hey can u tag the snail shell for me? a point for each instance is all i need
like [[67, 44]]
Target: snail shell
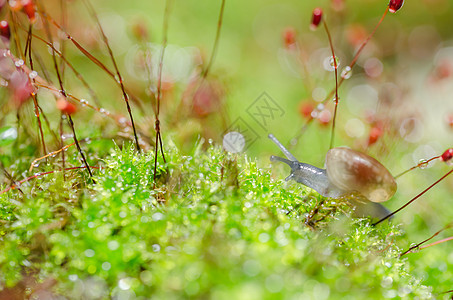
[[351, 170]]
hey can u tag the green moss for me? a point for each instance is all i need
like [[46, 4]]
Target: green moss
[[220, 228]]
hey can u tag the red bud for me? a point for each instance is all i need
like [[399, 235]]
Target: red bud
[[289, 37], [324, 117], [447, 155], [15, 5], [29, 9], [66, 107], [305, 109], [395, 5], [375, 134], [5, 32], [316, 18], [20, 86], [450, 121]]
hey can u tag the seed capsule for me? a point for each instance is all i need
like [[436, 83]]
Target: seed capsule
[[395, 5], [5, 32], [447, 155], [316, 18], [66, 107]]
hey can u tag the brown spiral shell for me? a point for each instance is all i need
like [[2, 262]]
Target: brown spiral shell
[[354, 171]]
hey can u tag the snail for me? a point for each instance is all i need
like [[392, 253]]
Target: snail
[[347, 172]]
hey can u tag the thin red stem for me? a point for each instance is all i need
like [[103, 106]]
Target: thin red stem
[[351, 65], [42, 174], [90, 56], [437, 242], [216, 41], [33, 94], [415, 198], [158, 139], [120, 79], [431, 237], [63, 93], [418, 165], [336, 83]]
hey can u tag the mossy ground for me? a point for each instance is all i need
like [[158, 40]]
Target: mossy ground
[[217, 227]]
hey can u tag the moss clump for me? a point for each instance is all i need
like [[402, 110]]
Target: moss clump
[[219, 228]]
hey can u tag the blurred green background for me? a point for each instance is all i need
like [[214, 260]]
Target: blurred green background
[[403, 80]]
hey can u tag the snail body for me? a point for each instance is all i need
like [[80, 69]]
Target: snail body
[[347, 172]]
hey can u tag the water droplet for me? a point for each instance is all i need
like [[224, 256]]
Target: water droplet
[[66, 136], [19, 63], [89, 253], [320, 106], [113, 245], [33, 74], [314, 114], [332, 61], [102, 110], [319, 94], [73, 277], [346, 73], [106, 266], [233, 142], [423, 164], [157, 216], [387, 282], [83, 102], [124, 284]]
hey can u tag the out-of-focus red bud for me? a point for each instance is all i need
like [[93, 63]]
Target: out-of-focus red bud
[[447, 155], [140, 30], [15, 5], [5, 32], [338, 4], [324, 117], [305, 109], [206, 99], [66, 107], [356, 34], [316, 18], [375, 134], [443, 69], [20, 86], [395, 5], [450, 120], [2, 3], [289, 37], [29, 9]]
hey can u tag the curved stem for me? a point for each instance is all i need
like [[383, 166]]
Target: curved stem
[[336, 84], [120, 78], [413, 199], [158, 140], [216, 41], [418, 245], [417, 166], [351, 65]]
